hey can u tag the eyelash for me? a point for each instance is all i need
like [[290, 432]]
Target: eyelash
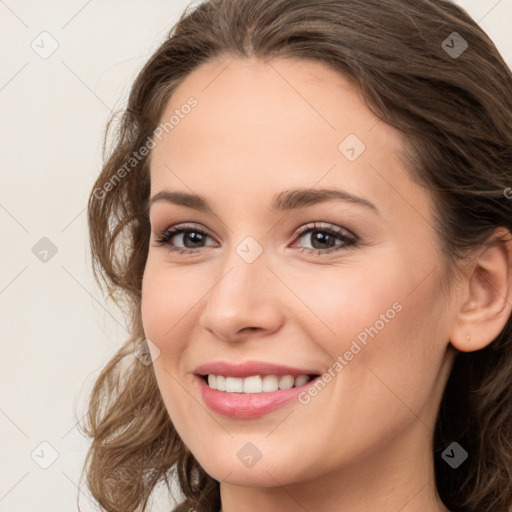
[[164, 237]]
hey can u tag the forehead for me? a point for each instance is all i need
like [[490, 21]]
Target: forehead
[[299, 101], [282, 124]]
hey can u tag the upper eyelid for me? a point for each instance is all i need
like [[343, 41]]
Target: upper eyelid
[[303, 229], [319, 226], [347, 238]]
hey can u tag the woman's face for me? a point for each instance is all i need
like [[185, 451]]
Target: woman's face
[[356, 298]]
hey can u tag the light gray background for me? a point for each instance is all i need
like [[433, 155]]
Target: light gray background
[[56, 330]]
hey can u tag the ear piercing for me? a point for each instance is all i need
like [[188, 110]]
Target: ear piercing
[[468, 338]]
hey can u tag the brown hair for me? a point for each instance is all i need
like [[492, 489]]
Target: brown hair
[[456, 114]]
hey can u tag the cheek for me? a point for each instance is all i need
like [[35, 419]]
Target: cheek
[[386, 337], [351, 305], [381, 319], [167, 298], [155, 306]]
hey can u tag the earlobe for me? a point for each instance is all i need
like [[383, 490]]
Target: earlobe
[[487, 305]]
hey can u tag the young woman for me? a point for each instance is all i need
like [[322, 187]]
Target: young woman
[[307, 213]]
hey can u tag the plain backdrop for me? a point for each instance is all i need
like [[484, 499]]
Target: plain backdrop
[[56, 330]]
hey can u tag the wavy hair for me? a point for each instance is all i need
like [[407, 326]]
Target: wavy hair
[[456, 114]]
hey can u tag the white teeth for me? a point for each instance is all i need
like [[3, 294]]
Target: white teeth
[[234, 385], [270, 383], [286, 382], [299, 381], [220, 383], [255, 383]]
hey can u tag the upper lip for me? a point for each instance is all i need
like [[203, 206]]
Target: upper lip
[[249, 368]]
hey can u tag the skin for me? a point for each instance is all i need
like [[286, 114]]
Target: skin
[[364, 442]]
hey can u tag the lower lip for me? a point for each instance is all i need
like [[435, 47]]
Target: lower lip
[[247, 405]]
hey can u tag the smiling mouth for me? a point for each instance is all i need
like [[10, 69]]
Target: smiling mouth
[[256, 383]]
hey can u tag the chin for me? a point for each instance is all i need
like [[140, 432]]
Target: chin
[[270, 473]]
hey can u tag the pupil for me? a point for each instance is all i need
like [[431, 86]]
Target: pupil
[[321, 237], [193, 236]]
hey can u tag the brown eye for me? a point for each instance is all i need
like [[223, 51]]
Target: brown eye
[[189, 239], [323, 239]]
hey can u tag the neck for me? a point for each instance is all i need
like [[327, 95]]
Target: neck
[[399, 476]]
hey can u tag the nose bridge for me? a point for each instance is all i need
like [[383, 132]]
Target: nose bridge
[[242, 295], [241, 276]]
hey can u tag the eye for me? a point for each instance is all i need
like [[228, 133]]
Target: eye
[[323, 238], [190, 235]]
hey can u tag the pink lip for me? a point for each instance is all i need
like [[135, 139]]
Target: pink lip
[[246, 405], [251, 368]]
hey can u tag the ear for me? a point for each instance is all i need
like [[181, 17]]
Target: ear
[[487, 301]]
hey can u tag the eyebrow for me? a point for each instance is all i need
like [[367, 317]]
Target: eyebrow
[[284, 201]]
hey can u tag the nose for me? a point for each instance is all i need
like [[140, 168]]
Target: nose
[[244, 301]]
